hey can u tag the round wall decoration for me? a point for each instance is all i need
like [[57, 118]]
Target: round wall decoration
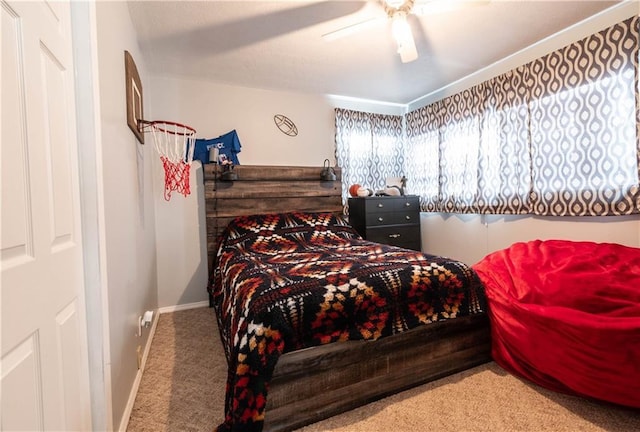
[[285, 124]]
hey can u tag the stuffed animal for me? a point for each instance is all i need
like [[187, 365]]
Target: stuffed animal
[[364, 192]]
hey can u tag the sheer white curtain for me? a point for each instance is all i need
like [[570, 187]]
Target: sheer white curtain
[[584, 126], [423, 148], [470, 151], [369, 148]]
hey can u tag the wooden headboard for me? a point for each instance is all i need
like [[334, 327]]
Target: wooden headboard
[[265, 189]]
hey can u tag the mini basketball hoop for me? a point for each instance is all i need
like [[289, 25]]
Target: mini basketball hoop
[[175, 143]]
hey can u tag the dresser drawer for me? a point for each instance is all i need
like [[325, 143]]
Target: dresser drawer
[[405, 236], [392, 204], [392, 218]]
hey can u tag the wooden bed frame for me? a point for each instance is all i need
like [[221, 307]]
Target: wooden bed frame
[[316, 383]]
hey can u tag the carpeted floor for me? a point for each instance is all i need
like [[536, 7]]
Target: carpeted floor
[[182, 389]]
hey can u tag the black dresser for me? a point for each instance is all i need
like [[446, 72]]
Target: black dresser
[[393, 220]]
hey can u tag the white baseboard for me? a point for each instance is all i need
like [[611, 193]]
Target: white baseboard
[[136, 383], [176, 308]]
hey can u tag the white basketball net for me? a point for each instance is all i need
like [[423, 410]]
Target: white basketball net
[[175, 143]]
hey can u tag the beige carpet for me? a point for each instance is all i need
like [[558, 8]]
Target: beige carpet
[[182, 389]]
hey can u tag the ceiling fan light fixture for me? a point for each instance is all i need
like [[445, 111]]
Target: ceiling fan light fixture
[[404, 38], [400, 28]]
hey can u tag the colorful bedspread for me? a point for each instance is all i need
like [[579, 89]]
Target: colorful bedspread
[[283, 282], [566, 316]]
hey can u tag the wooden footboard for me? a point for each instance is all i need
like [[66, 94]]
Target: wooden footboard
[[316, 383]]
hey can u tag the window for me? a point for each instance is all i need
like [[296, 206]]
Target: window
[[584, 139], [476, 145], [558, 136], [370, 148]]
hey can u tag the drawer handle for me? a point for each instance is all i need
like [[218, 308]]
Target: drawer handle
[[407, 217], [380, 205], [394, 235], [380, 219], [407, 204]]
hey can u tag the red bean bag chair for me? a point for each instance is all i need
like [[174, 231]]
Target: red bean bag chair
[[566, 316]]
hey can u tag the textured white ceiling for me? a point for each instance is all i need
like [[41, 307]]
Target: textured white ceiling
[[277, 44]]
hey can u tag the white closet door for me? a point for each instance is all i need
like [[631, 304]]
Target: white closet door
[[44, 352]]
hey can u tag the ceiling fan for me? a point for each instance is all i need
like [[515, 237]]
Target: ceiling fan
[[398, 11]]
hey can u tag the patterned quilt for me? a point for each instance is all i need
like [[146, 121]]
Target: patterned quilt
[[283, 282]]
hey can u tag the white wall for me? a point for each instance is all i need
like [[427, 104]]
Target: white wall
[[214, 109], [124, 165], [470, 237]]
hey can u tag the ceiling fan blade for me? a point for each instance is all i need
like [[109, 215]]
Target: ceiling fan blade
[[352, 29], [440, 6]]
